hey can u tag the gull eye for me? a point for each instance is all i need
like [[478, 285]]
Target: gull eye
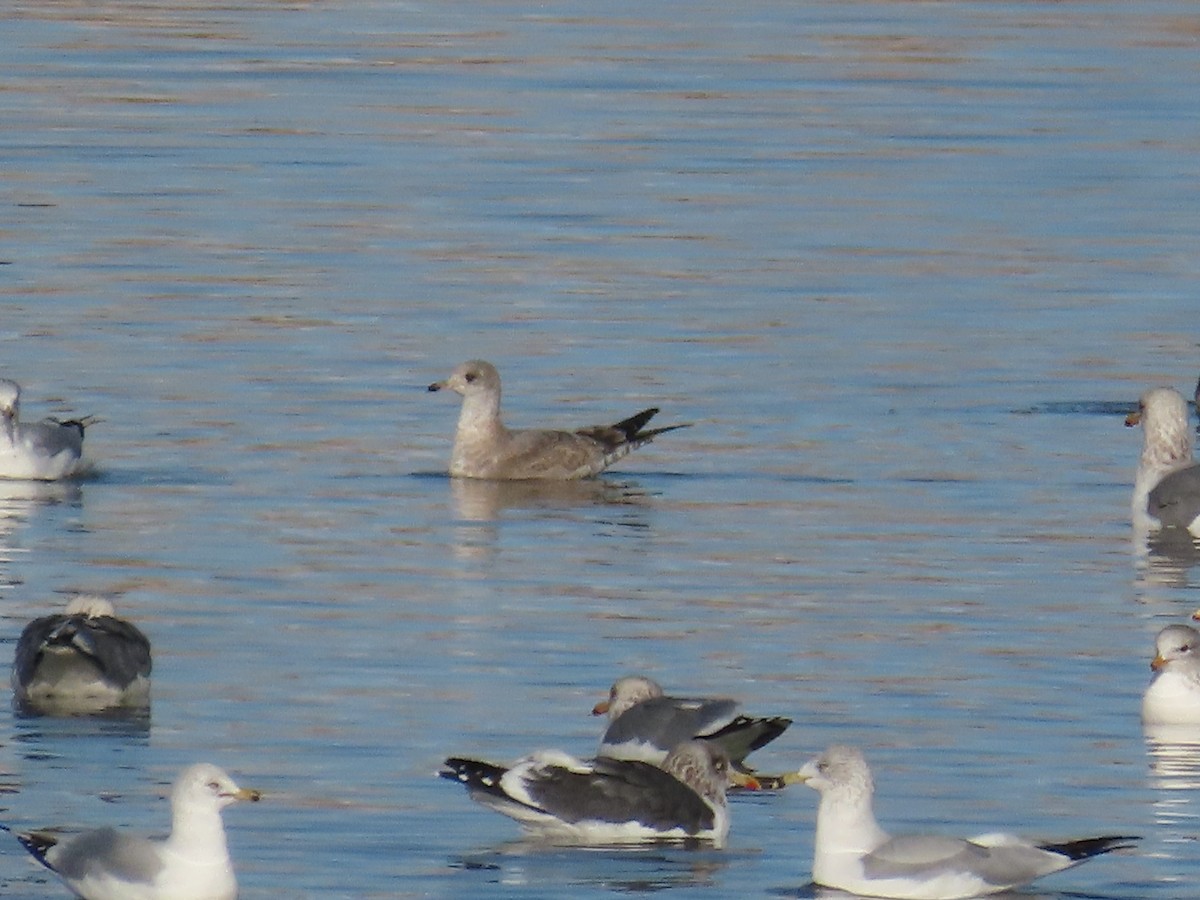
[[470, 377], [214, 786]]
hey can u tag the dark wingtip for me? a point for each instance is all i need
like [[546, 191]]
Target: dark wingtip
[[455, 769], [646, 435], [632, 426], [81, 424], [36, 843], [1086, 848]]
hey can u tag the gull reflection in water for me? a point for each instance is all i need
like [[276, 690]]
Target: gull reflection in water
[[1174, 763], [637, 869], [824, 893], [33, 730], [481, 504], [1166, 557], [19, 499]]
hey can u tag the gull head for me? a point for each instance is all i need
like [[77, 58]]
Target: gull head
[[205, 786], [1175, 643], [840, 771], [10, 399], [90, 605], [702, 766], [626, 692], [475, 376]]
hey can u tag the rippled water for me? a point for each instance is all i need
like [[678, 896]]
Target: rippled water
[[904, 265]]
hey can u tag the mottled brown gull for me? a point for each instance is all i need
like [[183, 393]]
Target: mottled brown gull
[[82, 660], [607, 801], [191, 864], [1166, 489], [853, 854], [485, 448], [39, 451]]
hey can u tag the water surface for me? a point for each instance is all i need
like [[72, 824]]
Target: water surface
[[903, 265]]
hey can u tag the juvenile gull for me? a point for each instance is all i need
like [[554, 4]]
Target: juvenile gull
[[84, 660], [852, 853], [607, 801], [40, 451], [1173, 696], [485, 448], [191, 864], [644, 724], [1166, 489]]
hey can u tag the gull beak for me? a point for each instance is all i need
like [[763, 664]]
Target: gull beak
[[248, 794], [1134, 418], [1196, 615], [437, 385], [1157, 663], [600, 708], [744, 780], [799, 777]]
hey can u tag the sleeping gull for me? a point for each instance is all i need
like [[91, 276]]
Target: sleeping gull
[[644, 724], [852, 853], [485, 448], [84, 660], [607, 801], [1173, 697], [191, 864], [1166, 489], [40, 451]]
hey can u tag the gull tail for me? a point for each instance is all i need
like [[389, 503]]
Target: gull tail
[[1086, 848]]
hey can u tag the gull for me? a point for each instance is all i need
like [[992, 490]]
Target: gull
[[42, 451], [191, 864], [1173, 697], [607, 801], [852, 853], [644, 724], [485, 448], [1166, 489], [80, 661]]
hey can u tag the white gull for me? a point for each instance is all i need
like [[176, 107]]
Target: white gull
[[852, 853], [40, 451], [1173, 696], [191, 864]]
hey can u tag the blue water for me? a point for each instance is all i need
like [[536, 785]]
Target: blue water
[[904, 265]]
